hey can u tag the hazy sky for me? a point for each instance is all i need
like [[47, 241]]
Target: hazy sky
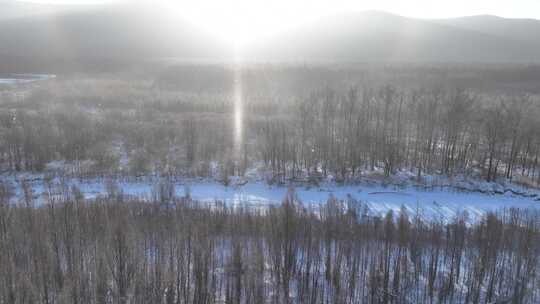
[[413, 8], [242, 20]]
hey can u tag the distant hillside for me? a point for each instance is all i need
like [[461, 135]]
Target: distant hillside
[[105, 36], [524, 30], [102, 35], [384, 37]]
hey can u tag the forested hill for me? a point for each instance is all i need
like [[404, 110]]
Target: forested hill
[[101, 37], [382, 37], [44, 40], [522, 30]]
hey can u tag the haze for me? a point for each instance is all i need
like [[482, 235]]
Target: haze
[[245, 21], [269, 152]]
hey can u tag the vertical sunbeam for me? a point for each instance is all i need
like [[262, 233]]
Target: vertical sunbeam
[[238, 110]]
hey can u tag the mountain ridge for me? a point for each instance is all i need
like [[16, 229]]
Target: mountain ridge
[[411, 39], [119, 33]]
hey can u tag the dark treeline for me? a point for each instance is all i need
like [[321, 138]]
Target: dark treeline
[[117, 251], [297, 127]]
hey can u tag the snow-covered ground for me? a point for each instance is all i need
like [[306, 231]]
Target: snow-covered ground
[[434, 202]]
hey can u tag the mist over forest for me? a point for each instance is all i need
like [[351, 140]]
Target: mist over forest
[[360, 156]]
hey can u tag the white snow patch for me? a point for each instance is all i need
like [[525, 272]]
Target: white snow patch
[[434, 203]]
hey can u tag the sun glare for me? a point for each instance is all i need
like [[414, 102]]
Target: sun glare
[[228, 20], [238, 113], [243, 22]]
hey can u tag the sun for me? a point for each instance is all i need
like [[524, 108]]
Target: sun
[[244, 22], [228, 20]]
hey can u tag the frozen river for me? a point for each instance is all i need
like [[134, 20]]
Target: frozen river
[[12, 79], [437, 203]]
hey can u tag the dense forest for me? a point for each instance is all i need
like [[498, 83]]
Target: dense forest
[[175, 250], [297, 122], [192, 152]]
